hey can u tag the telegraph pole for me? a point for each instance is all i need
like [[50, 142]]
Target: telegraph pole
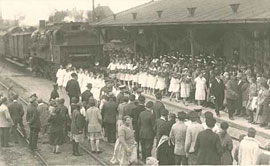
[[93, 11]]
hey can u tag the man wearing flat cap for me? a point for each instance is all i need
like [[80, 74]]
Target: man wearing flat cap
[[86, 95], [208, 145], [73, 87], [120, 96], [160, 122], [158, 106], [192, 132], [33, 119], [54, 93], [178, 135], [146, 122]]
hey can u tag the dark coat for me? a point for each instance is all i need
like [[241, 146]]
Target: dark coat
[[232, 90], [86, 96], [128, 109], [109, 112], [158, 124], [120, 98], [208, 148], [54, 94], [77, 122], [165, 153], [73, 88], [266, 109], [217, 89], [135, 116], [158, 106], [146, 123], [63, 111], [16, 111], [56, 123], [32, 116]]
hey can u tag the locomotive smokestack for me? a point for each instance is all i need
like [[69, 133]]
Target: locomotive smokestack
[[42, 24]]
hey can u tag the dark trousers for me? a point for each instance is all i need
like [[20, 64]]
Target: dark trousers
[[4, 136], [147, 145], [14, 129], [137, 139], [180, 160], [231, 105], [33, 138], [165, 154], [70, 97], [110, 132], [218, 104]]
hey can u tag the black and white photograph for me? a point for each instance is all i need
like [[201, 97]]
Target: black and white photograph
[[134, 82]]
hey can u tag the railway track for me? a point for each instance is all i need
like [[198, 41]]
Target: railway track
[[41, 158]]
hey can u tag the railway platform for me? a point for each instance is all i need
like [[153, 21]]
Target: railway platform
[[42, 87]]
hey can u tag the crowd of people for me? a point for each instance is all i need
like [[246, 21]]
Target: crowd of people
[[144, 131]]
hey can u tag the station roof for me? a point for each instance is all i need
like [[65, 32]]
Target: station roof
[[176, 12]]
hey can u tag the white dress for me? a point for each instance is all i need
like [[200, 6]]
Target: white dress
[[67, 77], [200, 93], [60, 76], [160, 83], [184, 89], [144, 79], [174, 85]]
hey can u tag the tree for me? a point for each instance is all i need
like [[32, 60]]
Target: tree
[[58, 16]]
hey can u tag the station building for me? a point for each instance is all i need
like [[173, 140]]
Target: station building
[[234, 29]]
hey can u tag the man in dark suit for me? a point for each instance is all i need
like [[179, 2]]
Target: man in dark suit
[[217, 92], [87, 94], [160, 122], [73, 87], [158, 106], [208, 145], [121, 95], [146, 122], [16, 112], [135, 116], [33, 119], [109, 113], [130, 106]]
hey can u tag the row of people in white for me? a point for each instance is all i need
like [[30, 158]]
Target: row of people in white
[[152, 79], [84, 77]]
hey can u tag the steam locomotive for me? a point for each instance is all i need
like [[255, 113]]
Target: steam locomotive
[[50, 46]]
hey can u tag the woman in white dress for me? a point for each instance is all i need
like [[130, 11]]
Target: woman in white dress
[[185, 86], [200, 91], [67, 77], [60, 76], [161, 84], [174, 88]]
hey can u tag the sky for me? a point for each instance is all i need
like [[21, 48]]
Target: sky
[[35, 10]]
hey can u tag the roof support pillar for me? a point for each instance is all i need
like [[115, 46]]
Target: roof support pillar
[[154, 41], [191, 40]]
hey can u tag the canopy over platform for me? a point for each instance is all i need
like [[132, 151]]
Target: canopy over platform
[[175, 12]]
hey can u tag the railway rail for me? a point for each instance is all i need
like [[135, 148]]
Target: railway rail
[[37, 153]]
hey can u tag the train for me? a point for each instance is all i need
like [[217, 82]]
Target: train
[[44, 49]]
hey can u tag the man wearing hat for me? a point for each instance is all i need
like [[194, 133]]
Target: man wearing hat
[[135, 116], [33, 119], [217, 91], [208, 146], [160, 122], [146, 122], [192, 132], [109, 114], [16, 112], [158, 106], [130, 106], [178, 135], [207, 115], [120, 96], [87, 94], [54, 93], [249, 149], [73, 87], [5, 122]]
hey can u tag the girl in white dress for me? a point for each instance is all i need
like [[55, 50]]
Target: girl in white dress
[[174, 88], [185, 86], [60, 77], [67, 77], [161, 84], [200, 91]]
